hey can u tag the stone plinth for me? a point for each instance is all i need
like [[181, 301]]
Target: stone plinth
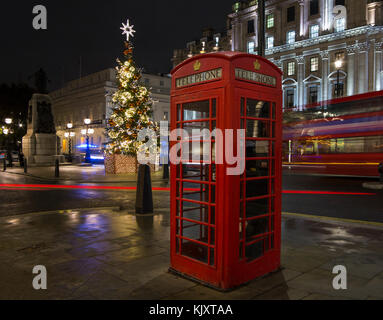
[[40, 142]]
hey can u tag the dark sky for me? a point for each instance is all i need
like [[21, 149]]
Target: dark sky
[[91, 29]]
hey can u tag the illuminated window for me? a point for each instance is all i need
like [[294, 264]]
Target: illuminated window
[[314, 64], [291, 37], [270, 21], [251, 47], [270, 42], [340, 25], [314, 31], [236, 6], [291, 68]]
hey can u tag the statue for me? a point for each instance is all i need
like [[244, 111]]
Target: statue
[[41, 81]]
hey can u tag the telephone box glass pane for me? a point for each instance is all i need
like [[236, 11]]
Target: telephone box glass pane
[[196, 110], [197, 127], [257, 188], [258, 109], [196, 212], [257, 149], [197, 172], [195, 231], [257, 207], [257, 168], [256, 227], [214, 108], [254, 251], [195, 191], [258, 129], [194, 251]]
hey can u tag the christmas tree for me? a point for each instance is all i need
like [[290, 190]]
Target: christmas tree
[[132, 105]]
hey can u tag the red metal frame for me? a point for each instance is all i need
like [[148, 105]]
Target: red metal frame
[[229, 260]]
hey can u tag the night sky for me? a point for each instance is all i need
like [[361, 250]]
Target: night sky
[[91, 29]]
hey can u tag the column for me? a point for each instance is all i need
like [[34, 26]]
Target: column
[[325, 73], [300, 78], [378, 66], [350, 70], [362, 67], [302, 28], [371, 65]]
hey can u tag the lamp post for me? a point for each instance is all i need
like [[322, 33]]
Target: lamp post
[[87, 155], [69, 136], [7, 131], [338, 66]]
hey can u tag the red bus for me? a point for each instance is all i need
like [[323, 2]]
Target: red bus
[[337, 137]]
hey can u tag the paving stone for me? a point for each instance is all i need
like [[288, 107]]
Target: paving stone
[[320, 281], [282, 292]]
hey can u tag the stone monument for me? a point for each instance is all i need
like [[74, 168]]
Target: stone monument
[[40, 142]]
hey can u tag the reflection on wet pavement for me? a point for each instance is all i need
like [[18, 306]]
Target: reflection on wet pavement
[[102, 254]]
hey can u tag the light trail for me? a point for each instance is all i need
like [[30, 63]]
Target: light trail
[[38, 187]]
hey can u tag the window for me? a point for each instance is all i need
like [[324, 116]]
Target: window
[[166, 116], [340, 25], [314, 7], [147, 81], [290, 98], [314, 31], [313, 94], [250, 27], [270, 21], [314, 64], [251, 47], [291, 68], [162, 83], [291, 14], [270, 42], [339, 2], [291, 37]]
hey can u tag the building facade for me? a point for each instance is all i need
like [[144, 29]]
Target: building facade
[[91, 98], [325, 48]]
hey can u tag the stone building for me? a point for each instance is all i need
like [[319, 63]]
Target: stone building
[[90, 98], [326, 48]]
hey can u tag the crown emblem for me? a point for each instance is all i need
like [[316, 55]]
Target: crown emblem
[[257, 65], [197, 66]]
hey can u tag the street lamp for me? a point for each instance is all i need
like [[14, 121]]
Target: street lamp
[[69, 136], [338, 66], [8, 121], [87, 155]]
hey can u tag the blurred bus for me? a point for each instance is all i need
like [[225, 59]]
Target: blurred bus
[[338, 137]]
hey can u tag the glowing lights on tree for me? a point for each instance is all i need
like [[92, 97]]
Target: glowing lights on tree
[[133, 105]]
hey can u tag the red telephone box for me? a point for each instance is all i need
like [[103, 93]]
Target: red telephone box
[[226, 229]]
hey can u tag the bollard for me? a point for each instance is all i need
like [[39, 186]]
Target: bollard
[[144, 197], [57, 168], [380, 169], [166, 172], [4, 164], [25, 165]]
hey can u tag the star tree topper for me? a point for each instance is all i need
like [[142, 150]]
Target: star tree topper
[[128, 30]]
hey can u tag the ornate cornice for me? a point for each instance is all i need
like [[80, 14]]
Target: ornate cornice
[[370, 30]]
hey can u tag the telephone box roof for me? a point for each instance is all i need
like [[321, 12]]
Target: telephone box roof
[[226, 55]]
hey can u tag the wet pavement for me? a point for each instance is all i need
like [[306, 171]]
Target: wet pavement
[[105, 254]]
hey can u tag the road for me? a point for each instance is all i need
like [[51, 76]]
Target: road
[[298, 198]]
